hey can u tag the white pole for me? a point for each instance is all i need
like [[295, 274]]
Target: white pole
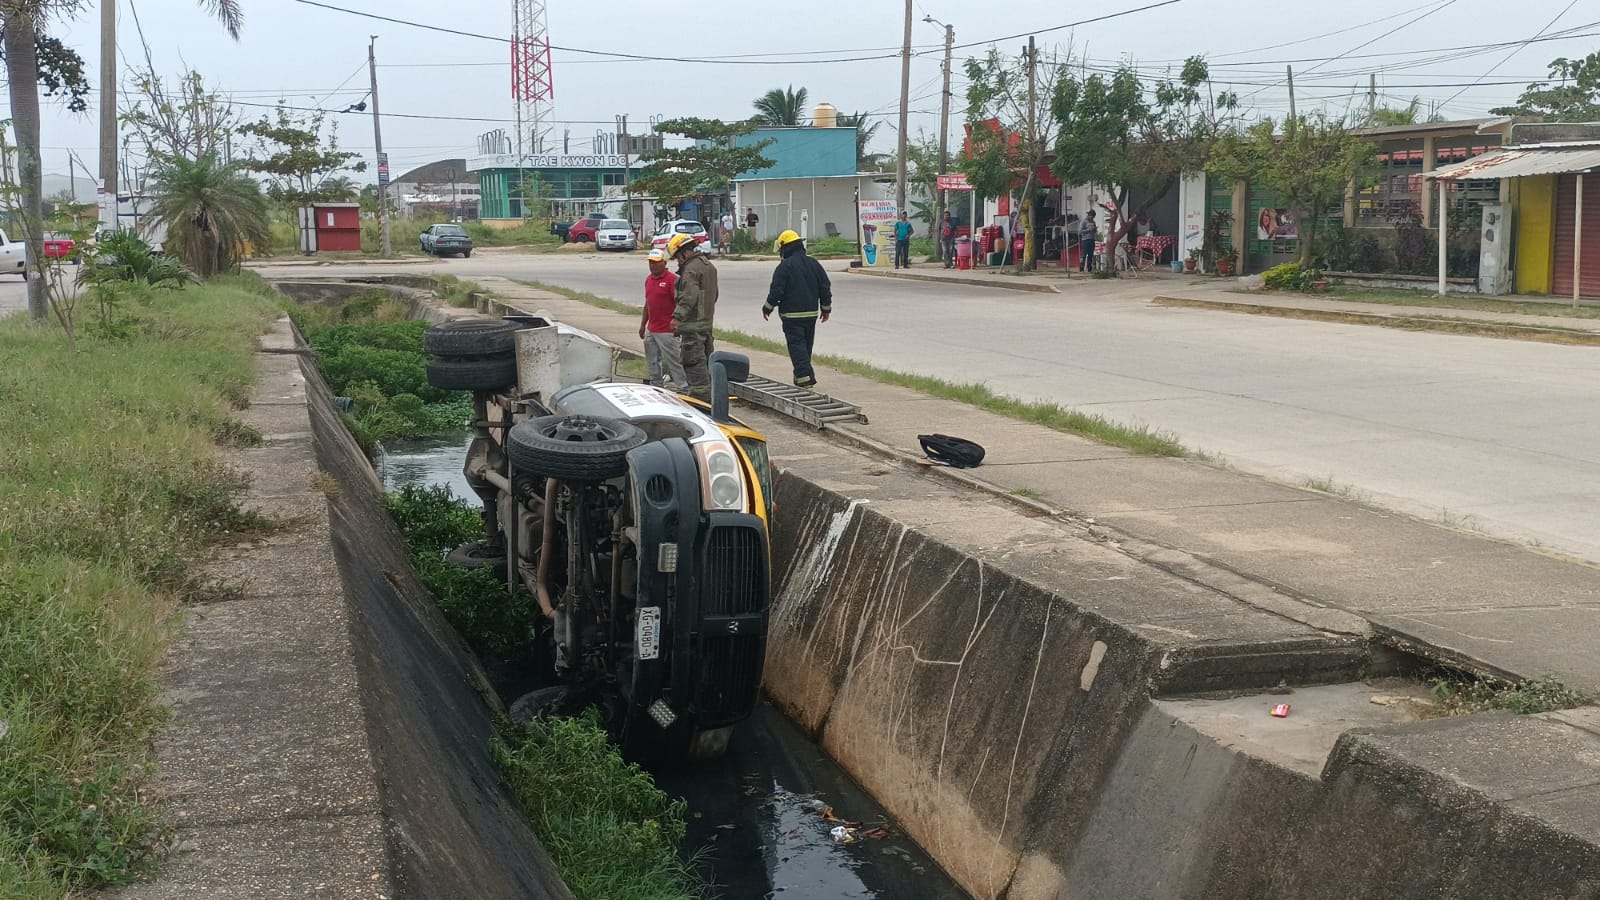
[[1577, 244], [1443, 214]]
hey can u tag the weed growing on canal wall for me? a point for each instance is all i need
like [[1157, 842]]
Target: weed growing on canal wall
[[498, 626], [611, 832], [375, 359], [1460, 695], [112, 494]]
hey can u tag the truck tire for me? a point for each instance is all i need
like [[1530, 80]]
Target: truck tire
[[473, 374], [471, 338], [573, 448], [476, 555]]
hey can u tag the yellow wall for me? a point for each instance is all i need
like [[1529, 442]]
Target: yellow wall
[[1536, 208]]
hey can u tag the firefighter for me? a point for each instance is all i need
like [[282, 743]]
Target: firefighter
[[801, 294], [696, 293]]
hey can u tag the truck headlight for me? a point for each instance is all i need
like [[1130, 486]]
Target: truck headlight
[[721, 480]]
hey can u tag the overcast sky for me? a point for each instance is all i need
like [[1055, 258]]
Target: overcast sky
[[317, 57]]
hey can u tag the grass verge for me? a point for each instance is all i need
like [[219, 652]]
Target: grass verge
[[612, 833], [112, 494], [1143, 441]]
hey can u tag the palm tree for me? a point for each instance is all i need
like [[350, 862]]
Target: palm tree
[[864, 133], [212, 209], [21, 26], [781, 106], [339, 188]]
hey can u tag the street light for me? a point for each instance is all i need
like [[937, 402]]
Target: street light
[[944, 130]]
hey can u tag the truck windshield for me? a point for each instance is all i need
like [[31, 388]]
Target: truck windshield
[[757, 452]]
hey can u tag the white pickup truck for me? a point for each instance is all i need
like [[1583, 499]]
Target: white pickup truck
[[13, 256]]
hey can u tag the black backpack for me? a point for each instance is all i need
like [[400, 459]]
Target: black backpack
[[951, 451]]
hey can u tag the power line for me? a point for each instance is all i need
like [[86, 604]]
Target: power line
[[1518, 49], [1369, 42]]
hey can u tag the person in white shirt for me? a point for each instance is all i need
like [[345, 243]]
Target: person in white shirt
[[728, 225]]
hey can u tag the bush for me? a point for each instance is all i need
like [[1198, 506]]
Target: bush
[[497, 625], [612, 833], [1290, 277]]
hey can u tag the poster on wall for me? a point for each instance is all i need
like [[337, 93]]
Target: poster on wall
[[1277, 224], [877, 232]]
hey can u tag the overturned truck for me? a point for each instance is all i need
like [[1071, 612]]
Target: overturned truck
[[636, 517]]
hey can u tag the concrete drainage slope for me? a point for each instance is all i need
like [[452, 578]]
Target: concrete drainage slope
[[1018, 697]]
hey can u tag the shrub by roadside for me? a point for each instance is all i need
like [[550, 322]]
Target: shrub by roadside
[[112, 491]]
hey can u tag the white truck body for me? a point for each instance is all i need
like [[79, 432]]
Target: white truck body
[[13, 256]]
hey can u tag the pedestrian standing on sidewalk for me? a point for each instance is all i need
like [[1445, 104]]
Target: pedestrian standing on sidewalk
[[801, 294], [902, 242], [727, 232], [696, 296], [947, 241], [1087, 230], [751, 220], [661, 347]]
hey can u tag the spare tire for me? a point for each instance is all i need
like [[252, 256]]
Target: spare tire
[[572, 448], [471, 337], [473, 374]]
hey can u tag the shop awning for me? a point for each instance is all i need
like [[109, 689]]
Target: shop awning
[[1511, 162]]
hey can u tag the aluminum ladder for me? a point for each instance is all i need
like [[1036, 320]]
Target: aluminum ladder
[[819, 410]]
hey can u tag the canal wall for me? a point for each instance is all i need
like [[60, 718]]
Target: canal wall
[[1025, 698]]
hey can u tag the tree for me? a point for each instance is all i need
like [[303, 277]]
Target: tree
[[1308, 166], [32, 59], [864, 135], [708, 167], [781, 106], [298, 162], [1009, 137], [340, 187], [1119, 134], [1575, 97], [211, 208], [187, 120]]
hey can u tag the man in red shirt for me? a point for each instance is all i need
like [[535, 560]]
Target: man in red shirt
[[661, 347]]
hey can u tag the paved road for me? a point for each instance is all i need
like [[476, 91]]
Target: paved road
[[1493, 434], [13, 295]]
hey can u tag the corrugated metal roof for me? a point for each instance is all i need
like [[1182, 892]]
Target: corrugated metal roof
[[1513, 161]]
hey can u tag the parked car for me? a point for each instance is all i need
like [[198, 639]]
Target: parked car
[[13, 257], [680, 226], [635, 518], [615, 234], [583, 230], [59, 246], [442, 239]]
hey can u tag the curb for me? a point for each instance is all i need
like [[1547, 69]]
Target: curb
[[1439, 324], [944, 279]]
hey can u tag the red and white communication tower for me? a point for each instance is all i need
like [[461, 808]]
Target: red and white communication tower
[[532, 85]]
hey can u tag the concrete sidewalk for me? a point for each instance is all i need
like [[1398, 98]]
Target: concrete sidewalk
[[1461, 597]]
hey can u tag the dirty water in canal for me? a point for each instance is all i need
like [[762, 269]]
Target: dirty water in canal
[[776, 818]]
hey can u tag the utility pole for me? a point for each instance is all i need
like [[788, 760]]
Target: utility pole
[[944, 142], [377, 141], [905, 112], [108, 112], [627, 182], [1025, 215], [1372, 97], [1291, 92]]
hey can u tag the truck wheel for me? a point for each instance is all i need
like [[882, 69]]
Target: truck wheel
[[471, 337], [475, 555], [573, 448], [472, 374]]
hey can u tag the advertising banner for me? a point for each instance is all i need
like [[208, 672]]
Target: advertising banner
[[877, 232], [1277, 224]]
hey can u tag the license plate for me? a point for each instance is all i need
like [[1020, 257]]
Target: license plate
[[647, 631]]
